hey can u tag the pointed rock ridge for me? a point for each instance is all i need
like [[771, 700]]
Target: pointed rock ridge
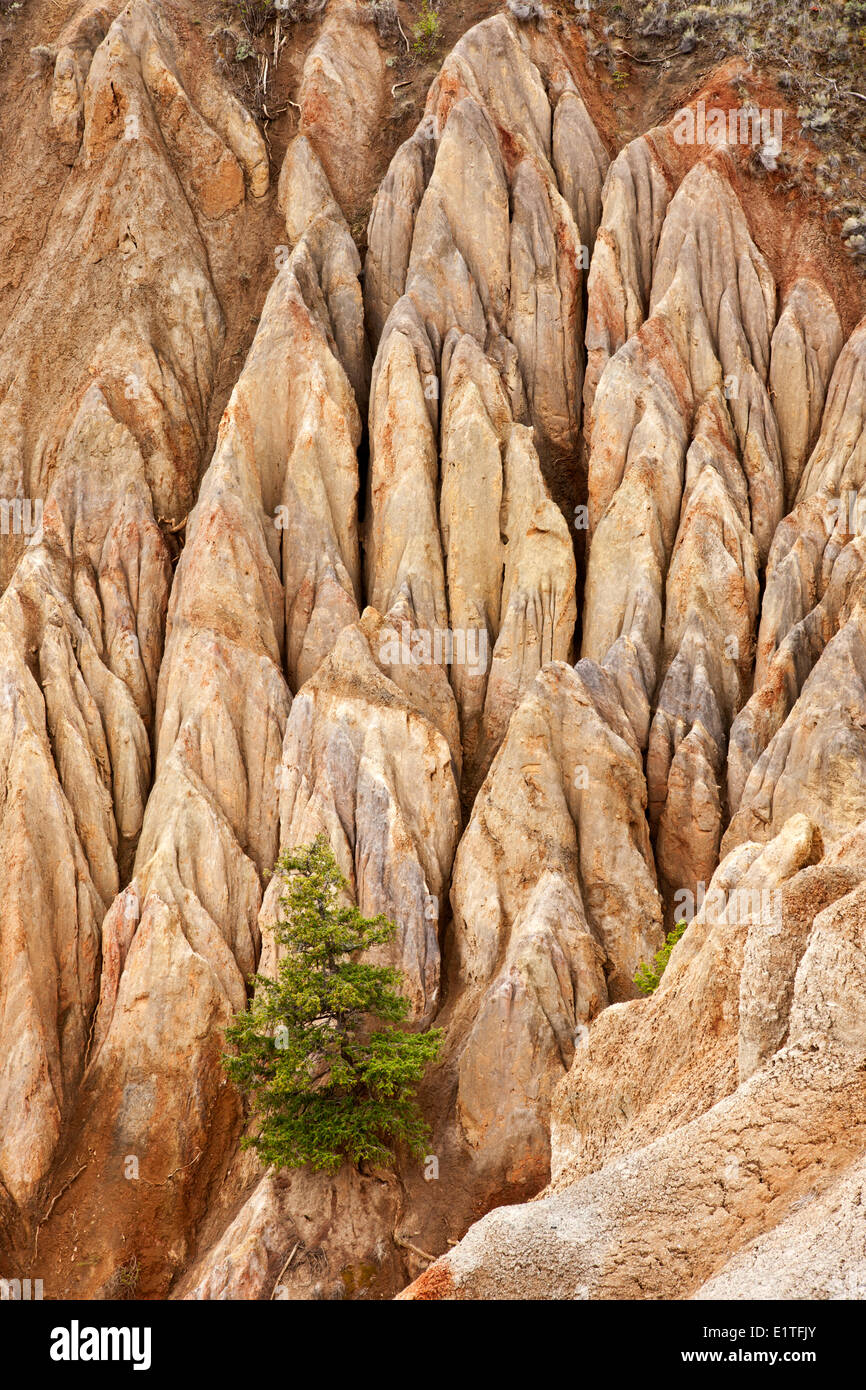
[[643, 413], [367, 760], [135, 226], [581, 163], [97, 450], [809, 911], [487, 302], [710, 321], [817, 757], [731, 296], [711, 607], [792, 586], [75, 48], [367, 731], [281, 492], [557, 844], [509, 559], [343, 98], [634, 201], [473, 226], [838, 461], [392, 224], [321, 324], [806, 342], [603, 1228], [216, 109], [80, 635], [285, 461], [334, 266], [815, 573], [476, 428], [210, 829], [403, 550]]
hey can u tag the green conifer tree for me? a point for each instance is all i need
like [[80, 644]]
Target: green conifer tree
[[329, 1073]]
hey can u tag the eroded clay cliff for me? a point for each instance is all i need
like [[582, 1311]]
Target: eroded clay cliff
[[519, 553]]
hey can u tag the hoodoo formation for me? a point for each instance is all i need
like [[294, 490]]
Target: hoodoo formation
[[443, 434]]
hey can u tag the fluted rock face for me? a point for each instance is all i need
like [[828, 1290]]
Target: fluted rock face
[[577, 406], [480, 222], [539, 954], [800, 735], [635, 198], [101, 448], [369, 764], [268, 579]]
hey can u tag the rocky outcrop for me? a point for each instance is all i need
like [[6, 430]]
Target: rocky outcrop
[[101, 450], [661, 1189], [806, 342], [292, 545], [479, 223], [556, 846], [635, 197], [807, 657], [342, 100], [367, 760], [268, 576]]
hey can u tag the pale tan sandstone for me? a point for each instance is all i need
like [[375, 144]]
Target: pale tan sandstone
[[817, 756], [581, 163], [137, 226], [805, 345], [682, 1043], [480, 222], [838, 459], [816, 1252], [634, 201], [730, 298], [285, 1244], [556, 843], [111, 441], [178, 955], [793, 634], [660, 1222], [711, 606], [695, 1136], [640, 438], [343, 98], [509, 560], [814, 571], [402, 544], [707, 333], [366, 764]]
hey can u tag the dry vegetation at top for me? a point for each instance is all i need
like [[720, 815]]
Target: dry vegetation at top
[[816, 52]]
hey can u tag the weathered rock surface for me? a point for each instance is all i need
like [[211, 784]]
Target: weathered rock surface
[[538, 954], [101, 449], [370, 764], [692, 1183], [566, 405], [480, 223]]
